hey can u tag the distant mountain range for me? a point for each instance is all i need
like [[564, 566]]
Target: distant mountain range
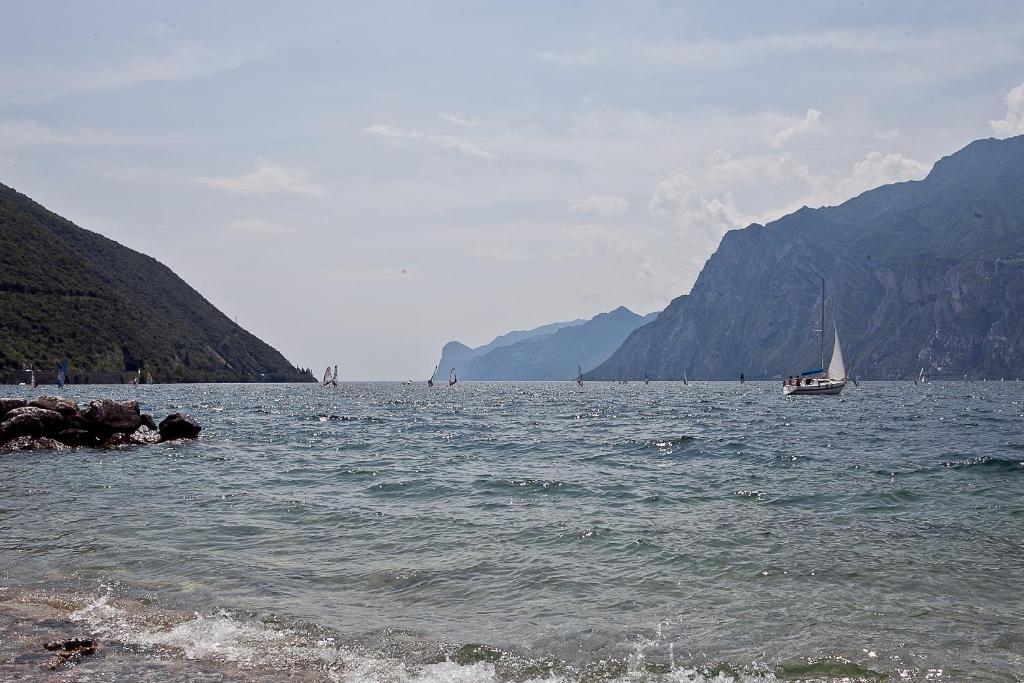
[[926, 274], [66, 292], [551, 352]]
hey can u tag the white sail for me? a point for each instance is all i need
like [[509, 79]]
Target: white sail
[[327, 376], [836, 367]]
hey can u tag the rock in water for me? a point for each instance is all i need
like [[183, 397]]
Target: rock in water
[[178, 426], [30, 421], [9, 404], [106, 417], [70, 651], [61, 405], [76, 437], [147, 421]]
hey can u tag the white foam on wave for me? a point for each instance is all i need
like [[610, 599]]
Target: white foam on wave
[[256, 646]]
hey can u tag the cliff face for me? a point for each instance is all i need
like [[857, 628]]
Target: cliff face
[[457, 355], [550, 352], [922, 274], [556, 356], [68, 292]]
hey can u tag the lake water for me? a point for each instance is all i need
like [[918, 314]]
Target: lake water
[[514, 532]]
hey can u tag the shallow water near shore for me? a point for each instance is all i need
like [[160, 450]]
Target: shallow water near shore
[[529, 531]]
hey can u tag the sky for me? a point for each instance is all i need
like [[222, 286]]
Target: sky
[[359, 183]]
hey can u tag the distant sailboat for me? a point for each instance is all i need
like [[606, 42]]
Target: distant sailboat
[[32, 377], [62, 374], [579, 375], [430, 382], [330, 379], [647, 380], [923, 377], [833, 381], [138, 378], [452, 379], [742, 379], [685, 383]]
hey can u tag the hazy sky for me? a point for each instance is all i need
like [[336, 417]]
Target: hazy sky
[[361, 183]]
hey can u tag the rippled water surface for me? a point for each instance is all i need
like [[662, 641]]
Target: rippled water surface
[[496, 531]]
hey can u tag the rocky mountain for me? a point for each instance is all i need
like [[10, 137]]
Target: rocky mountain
[[458, 355], [925, 274], [551, 355], [66, 292]]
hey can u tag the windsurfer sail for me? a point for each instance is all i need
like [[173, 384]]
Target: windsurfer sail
[[62, 373], [579, 375], [452, 379], [430, 382]]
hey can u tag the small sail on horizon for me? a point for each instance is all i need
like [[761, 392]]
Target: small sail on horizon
[[430, 382], [452, 379], [334, 377], [62, 374], [579, 375], [685, 383]]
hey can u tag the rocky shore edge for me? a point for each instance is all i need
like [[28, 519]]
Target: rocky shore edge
[[54, 423]]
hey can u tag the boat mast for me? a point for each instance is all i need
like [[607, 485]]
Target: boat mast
[[822, 331]]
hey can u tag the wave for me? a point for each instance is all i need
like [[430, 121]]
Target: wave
[[224, 645], [986, 462]]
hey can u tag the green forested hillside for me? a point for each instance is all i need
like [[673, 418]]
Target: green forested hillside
[[68, 292]]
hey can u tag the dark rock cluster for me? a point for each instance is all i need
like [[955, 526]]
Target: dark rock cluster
[[51, 422], [70, 652]]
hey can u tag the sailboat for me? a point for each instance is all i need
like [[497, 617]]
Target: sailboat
[[430, 382], [579, 375], [137, 378], [685, 383], [923, 377], [452, 379], [831, 382], [329, 378], [62, 373], [647, 380], [32, 377]]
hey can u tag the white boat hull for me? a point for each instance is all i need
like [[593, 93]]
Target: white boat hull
[[817, 387]]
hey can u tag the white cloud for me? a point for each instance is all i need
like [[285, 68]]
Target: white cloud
[[266, 179], [1013, 123], [890, 134], [725, 169], [594, 239], [878, 168], [459, 120], [27, 133], [975, 49], [810, 121], [260, 227], [601, 205], [463, 145], [678, 198], [147, 64]]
